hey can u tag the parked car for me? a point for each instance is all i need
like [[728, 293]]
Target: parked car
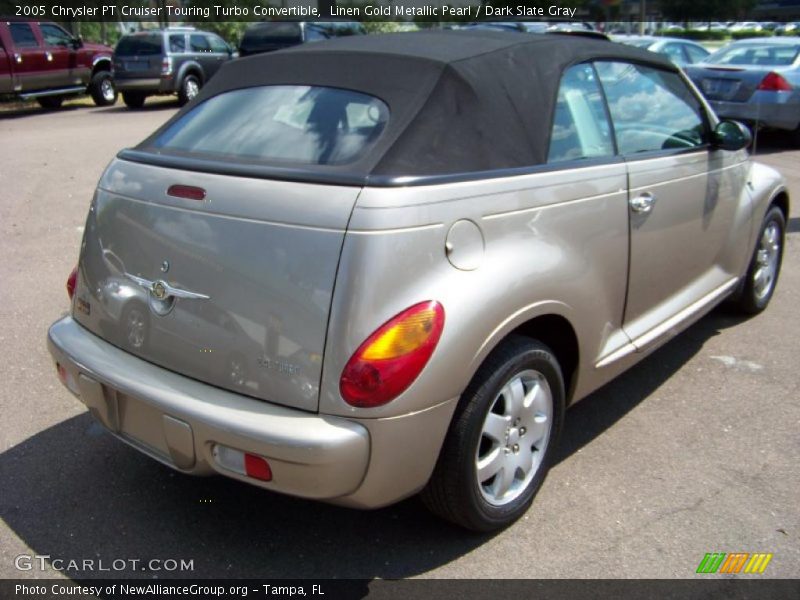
[[791, 28], [681, 52], [746, 26], [276, 35], [42, 61], [431, 271], [176, 60], [756, 81]]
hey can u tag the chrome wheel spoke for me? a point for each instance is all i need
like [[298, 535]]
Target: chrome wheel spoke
[[496, 426], [503, 481], [515, 397], [490, 464]]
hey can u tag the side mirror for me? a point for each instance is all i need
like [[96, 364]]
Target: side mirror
[[731, 135], [77, 42]]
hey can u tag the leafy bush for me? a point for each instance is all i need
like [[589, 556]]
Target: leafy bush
[[697, 34]]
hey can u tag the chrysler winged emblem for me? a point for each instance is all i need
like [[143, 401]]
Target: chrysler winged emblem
[[161, 290]]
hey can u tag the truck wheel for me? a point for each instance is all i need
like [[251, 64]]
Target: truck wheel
[[190, 87], [500, 444], [765, 265], [133, 99], [102, 89], [50, 102]]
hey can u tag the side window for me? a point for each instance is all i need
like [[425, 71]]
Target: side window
[[23, 36], [199, 43], [580, 124], [55, 36], [217, 45], [177, 42], [675, 53], [315, 35], [651, 109], [695, 54]]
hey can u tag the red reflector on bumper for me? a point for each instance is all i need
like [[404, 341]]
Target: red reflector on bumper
[[257, 467], [189, 192]]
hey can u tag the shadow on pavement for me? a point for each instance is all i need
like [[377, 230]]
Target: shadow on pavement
[[74, 492]]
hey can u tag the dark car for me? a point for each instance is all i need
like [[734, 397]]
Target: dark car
[[177, 60], [42, 61], [269, 36]]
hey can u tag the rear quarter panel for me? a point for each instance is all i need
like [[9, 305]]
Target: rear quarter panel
[[555, 243]]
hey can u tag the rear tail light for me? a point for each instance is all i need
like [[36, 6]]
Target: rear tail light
[[391, 358], [72, 281], [166, 65], [773, 82]]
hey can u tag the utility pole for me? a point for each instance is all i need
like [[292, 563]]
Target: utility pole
[[642, 15]]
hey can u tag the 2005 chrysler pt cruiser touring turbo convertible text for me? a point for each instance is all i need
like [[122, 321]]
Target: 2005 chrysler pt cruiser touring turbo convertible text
[[365, 268]]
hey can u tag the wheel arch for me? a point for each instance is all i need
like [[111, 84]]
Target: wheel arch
[[190, 68], [101, 63], [551, 327], [781, 200]]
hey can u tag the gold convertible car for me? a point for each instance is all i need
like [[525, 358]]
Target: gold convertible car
[[361, 269]]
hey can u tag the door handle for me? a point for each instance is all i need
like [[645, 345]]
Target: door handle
[[643, 203]]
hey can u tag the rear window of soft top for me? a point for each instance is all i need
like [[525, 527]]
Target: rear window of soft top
[[308, 125]]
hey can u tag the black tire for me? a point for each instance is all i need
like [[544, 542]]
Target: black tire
[[134, 99], [102, 89], [190, 85], [50, 102], [794, 137], [751, 299], [454, 491]]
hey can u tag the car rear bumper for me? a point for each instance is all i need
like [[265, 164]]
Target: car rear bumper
[[154, 85], [179, 421], [765, 110], [361, 463]]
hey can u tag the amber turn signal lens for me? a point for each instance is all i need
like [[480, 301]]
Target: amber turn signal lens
[[391, 358]]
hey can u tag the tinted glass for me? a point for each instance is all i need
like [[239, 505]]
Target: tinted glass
[[696, 54], [199, 43], [580, 124], [651, 109], [756, 54], [139, 45], [675, 53], [22, 34], [177, 42], [217, 45], [296, 124], [55, 36]]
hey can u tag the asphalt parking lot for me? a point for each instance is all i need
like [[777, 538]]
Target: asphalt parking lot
[[695, 450]]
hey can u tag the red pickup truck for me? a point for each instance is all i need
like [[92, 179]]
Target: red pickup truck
[[43, 61]]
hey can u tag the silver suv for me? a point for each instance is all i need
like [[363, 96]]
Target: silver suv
[[177, 60], [365, 268]]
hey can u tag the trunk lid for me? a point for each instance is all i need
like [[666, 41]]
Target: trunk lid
[[233, 290], [729, 83]]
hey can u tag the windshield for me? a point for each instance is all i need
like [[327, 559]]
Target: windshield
[[296, 124], [139, 45], [773, 55]]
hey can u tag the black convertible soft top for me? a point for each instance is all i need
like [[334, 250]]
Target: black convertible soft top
[[461, 102]]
